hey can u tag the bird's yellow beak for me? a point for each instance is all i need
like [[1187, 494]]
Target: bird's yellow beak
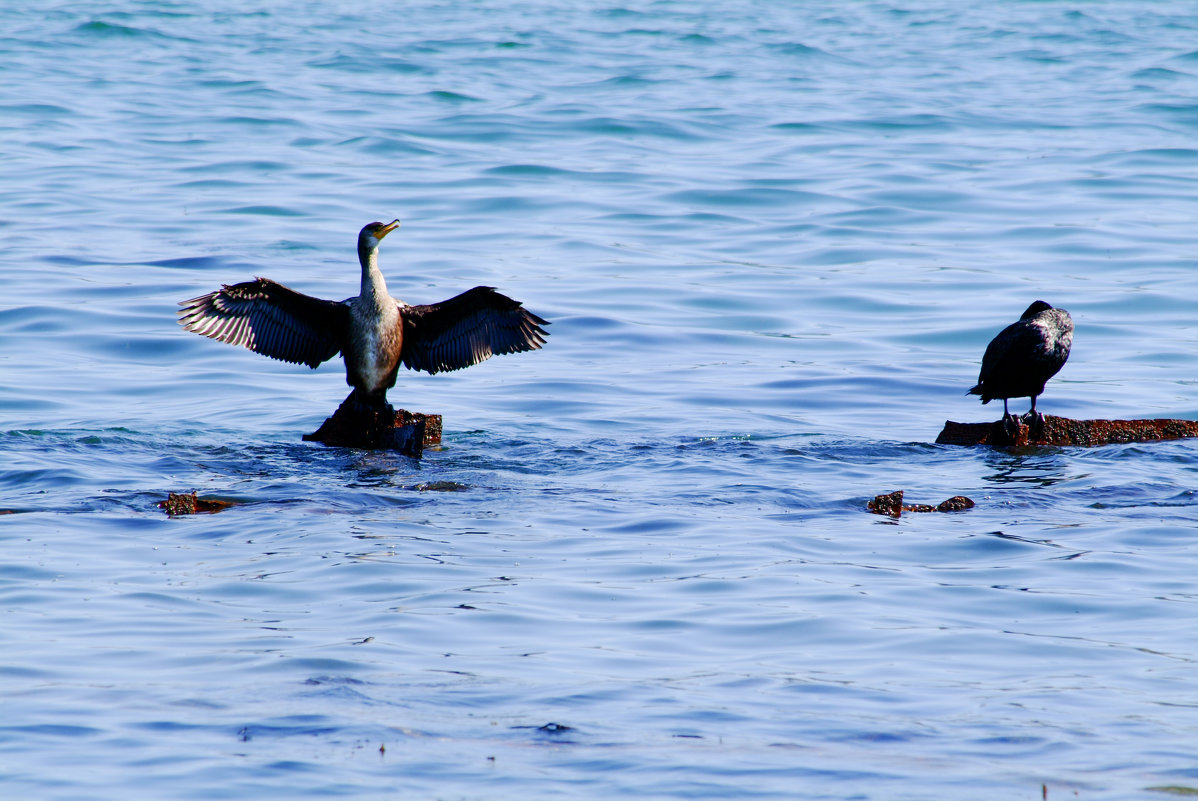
[[386, 229]]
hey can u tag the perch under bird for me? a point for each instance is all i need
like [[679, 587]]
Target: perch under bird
[[374, 332]]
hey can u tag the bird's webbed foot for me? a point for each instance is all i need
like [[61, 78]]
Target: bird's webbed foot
[[365, 403], [1034, 420], [1010, 425]]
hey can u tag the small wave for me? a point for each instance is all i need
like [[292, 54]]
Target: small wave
[[111, 29], [443, 96], [268, 211]]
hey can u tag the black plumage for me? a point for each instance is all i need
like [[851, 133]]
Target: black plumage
[[268, 318], [374, 332], [467, 329], [1020, 360]]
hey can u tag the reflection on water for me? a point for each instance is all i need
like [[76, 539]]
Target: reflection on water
[[1034, 466]]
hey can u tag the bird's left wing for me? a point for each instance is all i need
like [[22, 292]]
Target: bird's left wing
[[270, 319], [466, 330]]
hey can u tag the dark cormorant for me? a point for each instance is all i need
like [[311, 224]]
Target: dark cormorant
[[374, 332], [1020, 360]]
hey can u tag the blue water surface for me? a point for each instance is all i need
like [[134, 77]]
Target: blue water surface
[[773, 240]]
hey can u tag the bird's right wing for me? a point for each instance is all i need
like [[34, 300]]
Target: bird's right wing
[[270, 319], [467, 329]]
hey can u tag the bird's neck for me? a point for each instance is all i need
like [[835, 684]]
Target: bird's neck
[[373, 285]]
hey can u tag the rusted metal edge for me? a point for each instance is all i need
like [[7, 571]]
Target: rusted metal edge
[[1063, 431]]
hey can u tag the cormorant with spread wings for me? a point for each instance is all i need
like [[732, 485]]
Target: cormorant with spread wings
[[374, 332]]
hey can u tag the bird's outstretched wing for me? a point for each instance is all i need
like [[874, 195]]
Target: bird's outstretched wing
[[270, 319], [466, 330]]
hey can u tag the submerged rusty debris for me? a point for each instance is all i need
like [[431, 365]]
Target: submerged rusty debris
[[440, 486], [355, 425], [891, 504], [1063, 431], [957, 503], [178, 504]]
